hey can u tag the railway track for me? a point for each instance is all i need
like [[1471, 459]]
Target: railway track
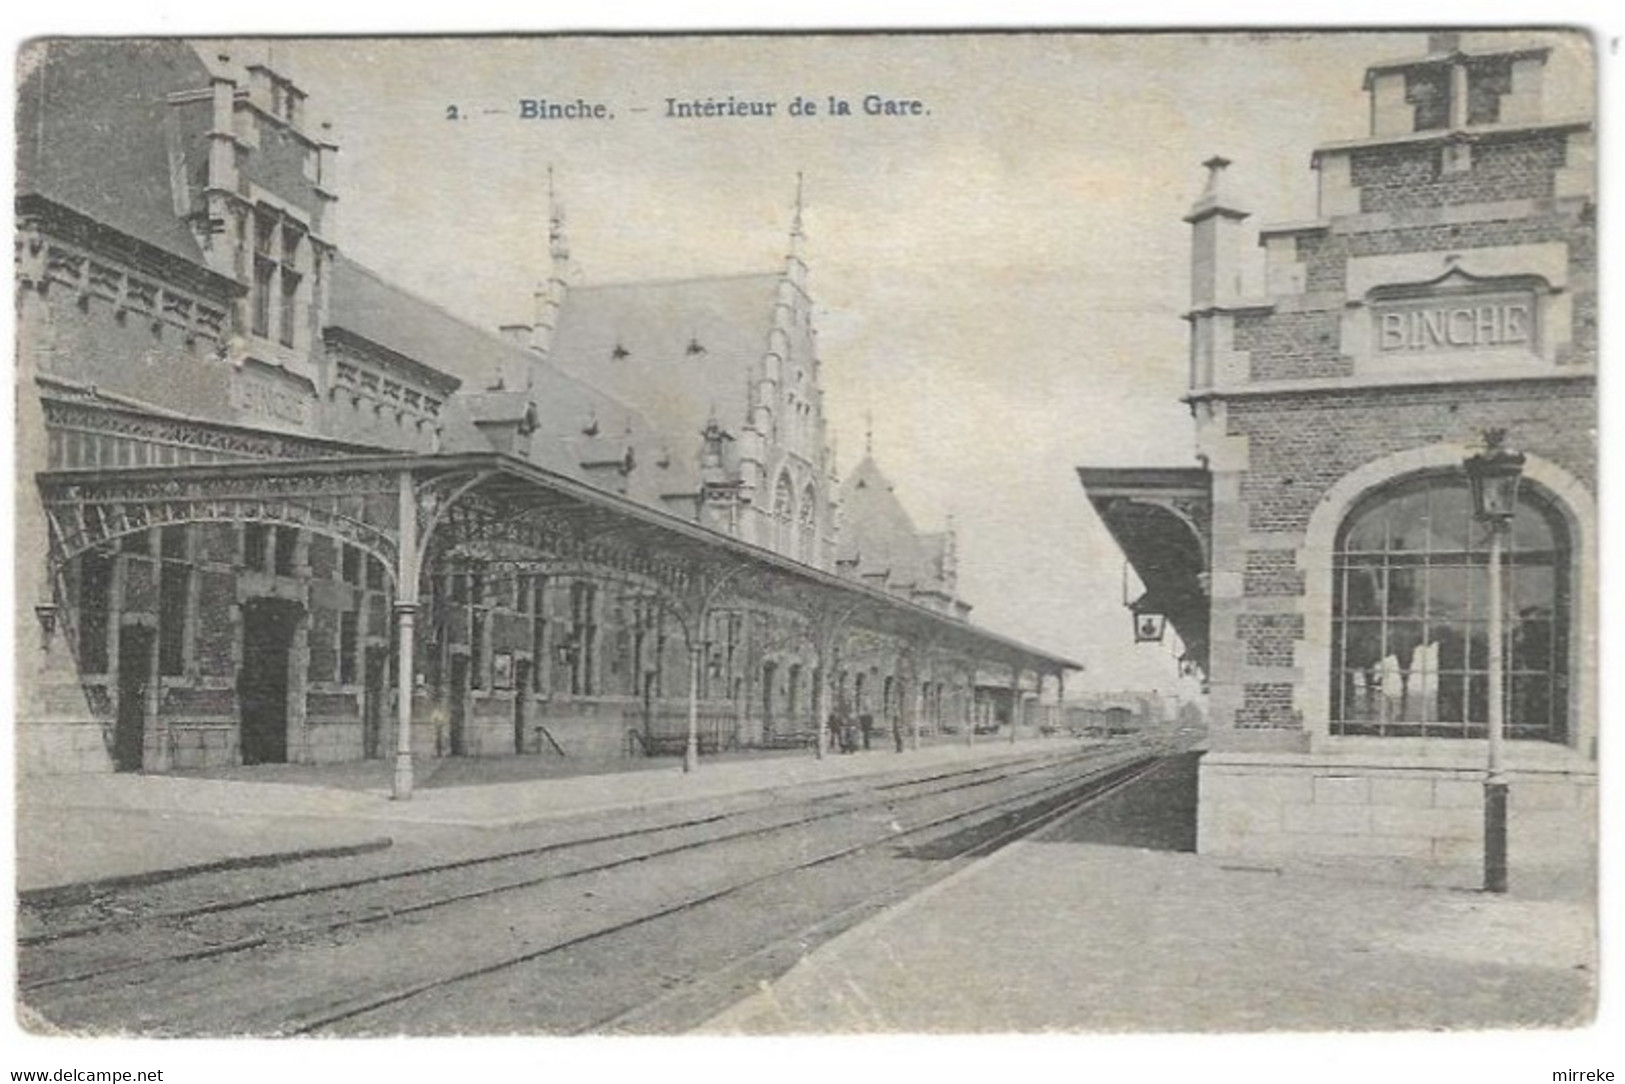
[[171, 965], [60, 917]]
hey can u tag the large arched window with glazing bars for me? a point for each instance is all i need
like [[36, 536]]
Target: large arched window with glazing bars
[[1410, 620]]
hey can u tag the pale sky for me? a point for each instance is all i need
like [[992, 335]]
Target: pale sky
[[1000, 281]]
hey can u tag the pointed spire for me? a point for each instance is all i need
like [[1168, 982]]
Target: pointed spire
[[795, 224], [795, 264], [558, 248], [549, 295]]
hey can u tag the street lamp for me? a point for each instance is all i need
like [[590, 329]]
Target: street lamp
[[1493, 476]]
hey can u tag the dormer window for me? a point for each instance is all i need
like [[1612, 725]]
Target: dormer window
[[286, 100], [279, 255]]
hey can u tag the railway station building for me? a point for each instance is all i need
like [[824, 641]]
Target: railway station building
[[274, 508], [1321, 559]]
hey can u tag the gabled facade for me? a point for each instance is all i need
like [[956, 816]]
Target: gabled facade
[[281, 509], [1445, 294], [727, 371]]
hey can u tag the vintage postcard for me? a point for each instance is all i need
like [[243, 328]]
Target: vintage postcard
[[783, 534]]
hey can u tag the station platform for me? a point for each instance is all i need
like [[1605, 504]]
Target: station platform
[[1109, 922], [76, 829]]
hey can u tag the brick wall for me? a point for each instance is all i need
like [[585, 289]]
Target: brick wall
[[1396, 178], [1465, 235], [1301, 444], [1292, 345], [1269, 637], [1325, 260], [323, 644], [1267, 705], [217, 595], [1272, 573]]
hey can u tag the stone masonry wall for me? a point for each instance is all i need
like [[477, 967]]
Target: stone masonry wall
[[1423, 823]]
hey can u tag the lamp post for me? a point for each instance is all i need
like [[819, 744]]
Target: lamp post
[[1493, 476]]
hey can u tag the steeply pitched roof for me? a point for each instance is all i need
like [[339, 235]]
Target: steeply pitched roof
[[878, 534], [573, 418], [95, 132], [681, 350]]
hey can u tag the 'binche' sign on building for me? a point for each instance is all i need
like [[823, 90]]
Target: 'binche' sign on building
[[1457, 323]]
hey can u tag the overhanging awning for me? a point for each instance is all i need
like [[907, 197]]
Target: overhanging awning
[[482, 506], [1161, 518]]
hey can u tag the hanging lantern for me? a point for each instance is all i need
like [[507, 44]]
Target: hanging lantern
[[1149, 624], [46, 614], [1493, 476]]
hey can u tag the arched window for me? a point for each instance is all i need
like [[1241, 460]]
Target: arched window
[[784, 515], [808, 526], [1410, 616]]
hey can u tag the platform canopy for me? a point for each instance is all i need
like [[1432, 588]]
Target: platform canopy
[[494, 512], [1161, 518]]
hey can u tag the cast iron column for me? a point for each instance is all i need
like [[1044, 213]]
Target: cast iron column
[[1015, 700], [691, 748], [406, 608]]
